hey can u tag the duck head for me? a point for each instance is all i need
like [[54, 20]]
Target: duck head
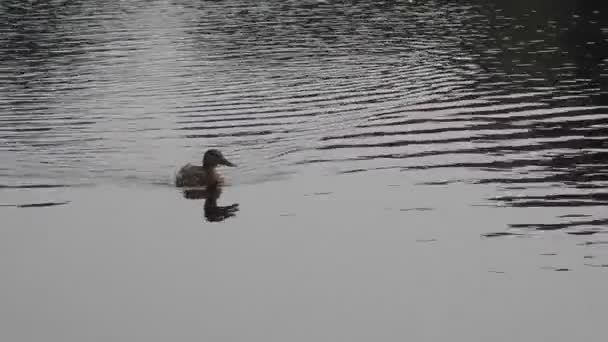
[[213, 158]]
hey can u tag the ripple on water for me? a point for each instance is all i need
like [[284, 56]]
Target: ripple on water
[[127, 91]]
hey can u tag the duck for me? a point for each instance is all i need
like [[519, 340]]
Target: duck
[[191, 175]]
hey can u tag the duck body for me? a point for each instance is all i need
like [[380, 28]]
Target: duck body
[[196, 175], [191, 175]]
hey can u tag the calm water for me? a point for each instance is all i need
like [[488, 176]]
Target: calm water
[[407, 170]]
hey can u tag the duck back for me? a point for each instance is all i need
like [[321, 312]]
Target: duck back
[[191, 175]]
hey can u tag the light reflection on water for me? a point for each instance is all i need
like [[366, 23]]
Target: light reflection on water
[[412, 169], [118, 92]]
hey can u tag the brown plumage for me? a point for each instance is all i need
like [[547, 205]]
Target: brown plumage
[[205, 174]]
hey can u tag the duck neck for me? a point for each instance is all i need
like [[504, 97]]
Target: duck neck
[[211, 176], [208, 167]]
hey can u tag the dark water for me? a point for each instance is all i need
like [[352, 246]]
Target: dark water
[[110, 92], [496, 109]]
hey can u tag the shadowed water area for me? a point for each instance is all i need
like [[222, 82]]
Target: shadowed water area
[[406, 170]]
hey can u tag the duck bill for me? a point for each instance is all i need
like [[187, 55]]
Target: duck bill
[[227, 163]]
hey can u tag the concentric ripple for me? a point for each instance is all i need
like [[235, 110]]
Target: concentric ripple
[[95, 92]]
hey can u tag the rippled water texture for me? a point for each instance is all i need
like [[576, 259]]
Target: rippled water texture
[[496, 107], [114, 91]]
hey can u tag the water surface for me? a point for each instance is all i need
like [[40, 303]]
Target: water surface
[[425, 170]]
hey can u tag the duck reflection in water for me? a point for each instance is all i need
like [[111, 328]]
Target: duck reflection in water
[[213, 212], [204, 182]]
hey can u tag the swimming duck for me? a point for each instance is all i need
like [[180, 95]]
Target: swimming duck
[[205, 175]]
